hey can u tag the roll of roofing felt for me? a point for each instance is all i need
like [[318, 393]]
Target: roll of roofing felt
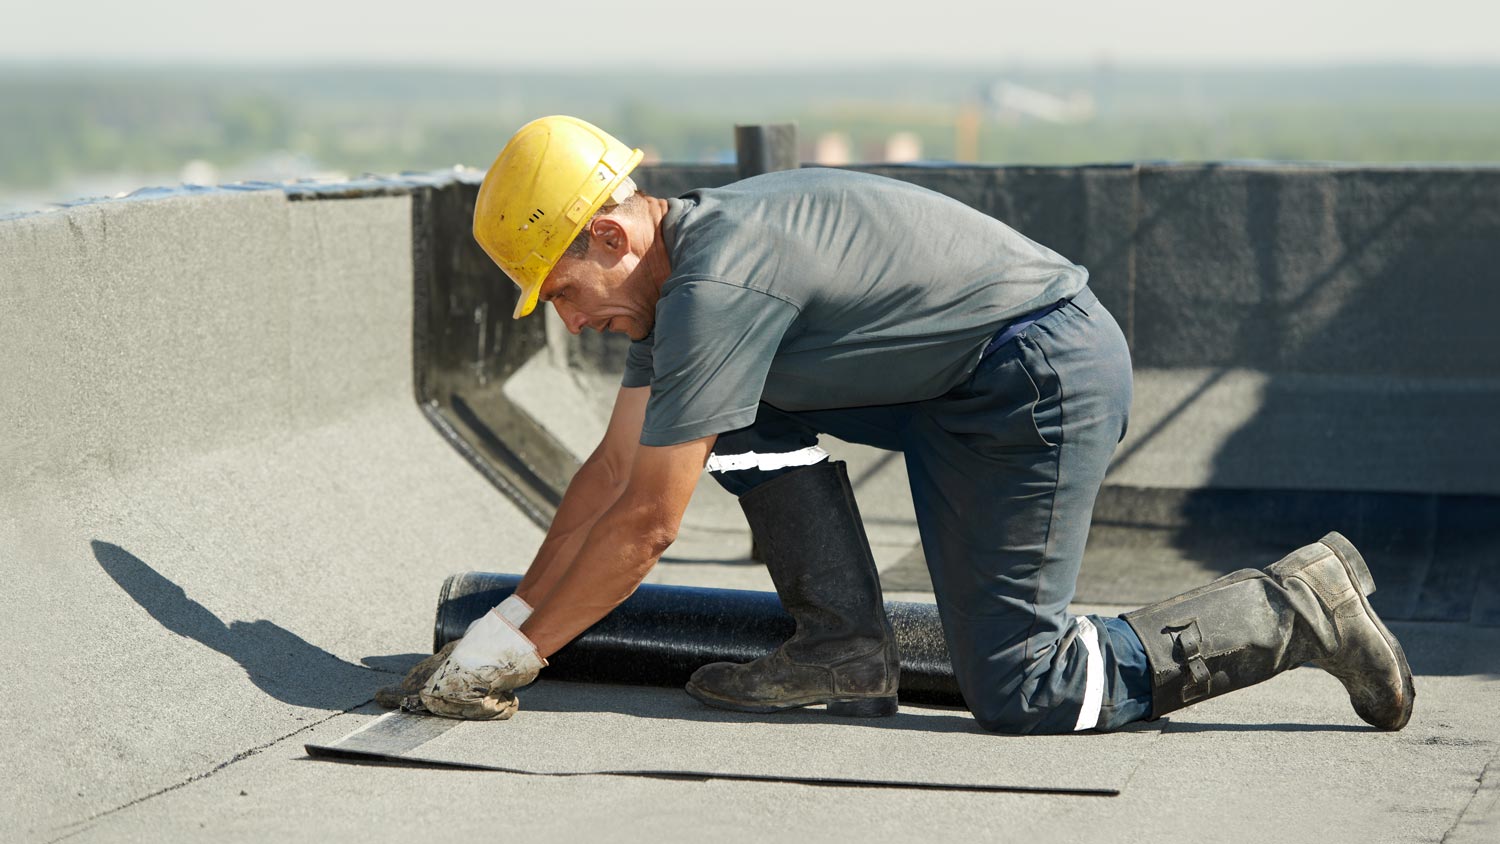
[[662, 634]]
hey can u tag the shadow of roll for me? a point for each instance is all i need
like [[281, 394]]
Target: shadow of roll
[[662, 634]]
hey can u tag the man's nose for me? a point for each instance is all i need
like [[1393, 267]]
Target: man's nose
[[573, 319]]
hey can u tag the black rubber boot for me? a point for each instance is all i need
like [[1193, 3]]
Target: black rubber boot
[[1250, 625], [810, 536]]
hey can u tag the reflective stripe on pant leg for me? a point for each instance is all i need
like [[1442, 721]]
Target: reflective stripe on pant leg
[[742, 459], [765, 462], [1093, 690]]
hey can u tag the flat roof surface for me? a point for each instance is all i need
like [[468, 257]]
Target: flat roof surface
[[225, 524], [1283, 761]]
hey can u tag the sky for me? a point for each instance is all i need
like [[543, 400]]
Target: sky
[[758, 34]]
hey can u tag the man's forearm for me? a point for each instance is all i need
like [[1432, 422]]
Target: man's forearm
[[617, 554], [594, 488]]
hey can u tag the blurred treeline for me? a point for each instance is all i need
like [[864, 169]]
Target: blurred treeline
[[60, 123]]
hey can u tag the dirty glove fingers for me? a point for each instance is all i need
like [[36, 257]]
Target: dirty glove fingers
[[504, 674], [421, 673], [493, 657], [496, 706], [392, 697]]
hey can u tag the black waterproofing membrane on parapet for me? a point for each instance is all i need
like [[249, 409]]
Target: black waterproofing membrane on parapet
[[465, 346], [662, 634]]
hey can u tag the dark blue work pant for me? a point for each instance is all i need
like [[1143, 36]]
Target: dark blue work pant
[[1004, 470]]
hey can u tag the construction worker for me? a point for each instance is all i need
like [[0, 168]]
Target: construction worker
[[820, 301]]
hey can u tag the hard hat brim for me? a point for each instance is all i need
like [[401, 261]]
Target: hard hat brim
[[526, 302]]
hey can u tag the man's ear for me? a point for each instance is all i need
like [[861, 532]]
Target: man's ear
[[611, 234]]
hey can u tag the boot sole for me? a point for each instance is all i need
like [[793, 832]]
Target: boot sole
[[847, 707], [1359, 572]]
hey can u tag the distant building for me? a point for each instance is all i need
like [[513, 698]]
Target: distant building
[[903, 146], [1010, 102], [832, 149]]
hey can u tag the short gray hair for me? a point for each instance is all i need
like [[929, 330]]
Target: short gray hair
[[625, 197]]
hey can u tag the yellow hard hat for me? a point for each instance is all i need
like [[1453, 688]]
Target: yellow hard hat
[[553, 174]]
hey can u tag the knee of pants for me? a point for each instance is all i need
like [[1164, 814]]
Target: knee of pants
[[1003, 712], [992, 684], [1013, 714], [1018, 721], [1009, 692]]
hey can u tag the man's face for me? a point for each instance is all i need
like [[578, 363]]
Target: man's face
[[597, 291]]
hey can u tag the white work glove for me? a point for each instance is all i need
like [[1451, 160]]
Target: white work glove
[[491, 659]]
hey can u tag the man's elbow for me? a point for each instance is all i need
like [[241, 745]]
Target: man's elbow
[[652, 528], [611, 468], [657, 535], [637, 545]]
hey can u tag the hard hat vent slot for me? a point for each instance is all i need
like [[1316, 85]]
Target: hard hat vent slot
[[537, 215]]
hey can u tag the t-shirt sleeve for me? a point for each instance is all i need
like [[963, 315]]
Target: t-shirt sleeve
[[638, 363], [714, 343]]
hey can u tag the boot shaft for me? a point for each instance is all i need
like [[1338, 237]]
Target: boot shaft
[[843, 654], [808, 529]]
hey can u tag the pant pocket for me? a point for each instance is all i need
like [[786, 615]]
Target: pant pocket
[[999, 412]]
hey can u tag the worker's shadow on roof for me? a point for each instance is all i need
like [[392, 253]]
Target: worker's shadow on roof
[[278, 661]]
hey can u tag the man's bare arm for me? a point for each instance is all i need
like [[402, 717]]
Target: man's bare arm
[[594, 488], [622, 545]]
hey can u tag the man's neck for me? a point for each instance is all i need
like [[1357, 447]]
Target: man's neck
[[655, 266]]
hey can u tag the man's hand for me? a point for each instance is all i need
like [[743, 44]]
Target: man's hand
[[493, 658], [408, 695]]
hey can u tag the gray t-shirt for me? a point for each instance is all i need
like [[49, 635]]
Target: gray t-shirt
[[815, 288]]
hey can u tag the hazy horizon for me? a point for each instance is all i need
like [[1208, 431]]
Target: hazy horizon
[[137, 63], [90, 127], [692, 37]]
